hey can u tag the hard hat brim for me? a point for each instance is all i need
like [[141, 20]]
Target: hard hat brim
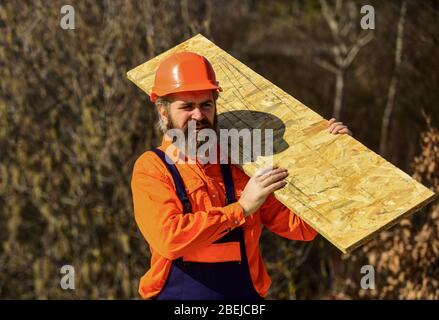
[[160, 92]]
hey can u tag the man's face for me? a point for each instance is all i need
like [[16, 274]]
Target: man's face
[[192, 105]]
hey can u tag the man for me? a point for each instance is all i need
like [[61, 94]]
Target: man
[[203, 221]]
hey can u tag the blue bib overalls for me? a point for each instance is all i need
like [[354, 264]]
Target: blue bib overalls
[[210, 281]]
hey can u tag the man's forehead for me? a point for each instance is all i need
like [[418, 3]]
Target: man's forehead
[[192, 96]]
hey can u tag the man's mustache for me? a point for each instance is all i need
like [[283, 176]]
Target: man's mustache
[[203, 124]]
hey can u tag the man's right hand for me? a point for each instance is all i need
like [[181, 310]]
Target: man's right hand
[[260, 187]]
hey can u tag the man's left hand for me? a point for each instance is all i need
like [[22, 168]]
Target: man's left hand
[[338, 127]]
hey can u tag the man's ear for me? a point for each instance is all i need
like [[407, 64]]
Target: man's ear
[[163, 113]]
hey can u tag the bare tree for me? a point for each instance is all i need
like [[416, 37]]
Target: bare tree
[[150, 29], [342, 21], [197, 25], [394, 81]]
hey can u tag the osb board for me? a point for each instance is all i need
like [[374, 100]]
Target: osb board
[[341, 188]]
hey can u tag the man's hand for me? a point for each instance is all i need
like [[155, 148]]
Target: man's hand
[[260, 187], [338, 127]]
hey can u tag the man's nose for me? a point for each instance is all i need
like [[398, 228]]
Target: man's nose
[[197, 114]]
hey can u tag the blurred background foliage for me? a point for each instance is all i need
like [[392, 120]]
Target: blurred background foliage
[[72, 125]]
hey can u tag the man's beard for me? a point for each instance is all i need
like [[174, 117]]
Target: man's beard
[[192, 138]]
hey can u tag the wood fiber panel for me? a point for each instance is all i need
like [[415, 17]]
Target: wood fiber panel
[[345, 191]]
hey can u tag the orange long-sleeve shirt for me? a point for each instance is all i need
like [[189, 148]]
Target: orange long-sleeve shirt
[[172, 234]]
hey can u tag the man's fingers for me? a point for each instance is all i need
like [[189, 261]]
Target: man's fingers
[[344, 130], [334, 125], [273, 178], [337, 128], [272, 172], [276, 186], [264, 171]]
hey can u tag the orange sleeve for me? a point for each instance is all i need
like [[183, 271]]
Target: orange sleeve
[[284, 222], [159, 214]]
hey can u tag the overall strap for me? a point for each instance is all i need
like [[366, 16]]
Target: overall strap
[[178, 181], [228, 183], [179, 185]]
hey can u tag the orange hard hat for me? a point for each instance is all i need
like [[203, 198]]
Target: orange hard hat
[[183, 71]]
